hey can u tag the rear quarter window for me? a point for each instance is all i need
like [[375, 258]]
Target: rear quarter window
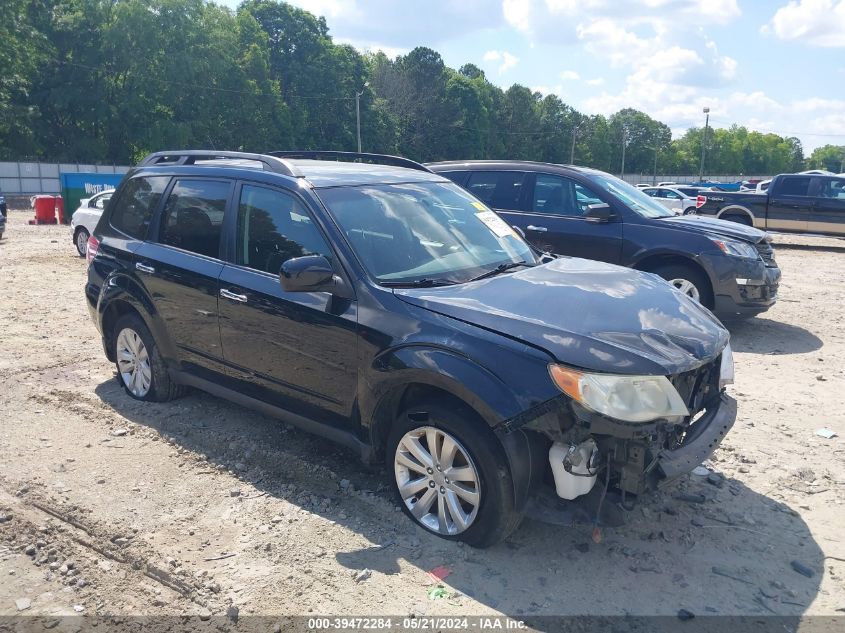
[[132, 212]]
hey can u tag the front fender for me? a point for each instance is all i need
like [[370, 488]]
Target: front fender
[[119, 287], [442, 368]]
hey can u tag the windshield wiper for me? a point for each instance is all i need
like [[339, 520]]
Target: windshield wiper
[[498, 270], [418, 283]]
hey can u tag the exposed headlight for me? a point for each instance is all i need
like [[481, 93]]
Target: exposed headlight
[[629, 398], [735, 248], [726, 370]]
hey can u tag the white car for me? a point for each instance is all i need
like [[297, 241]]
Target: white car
[[674, 200], [85, 218]]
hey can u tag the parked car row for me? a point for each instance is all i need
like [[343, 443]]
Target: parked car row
[[381, 305]]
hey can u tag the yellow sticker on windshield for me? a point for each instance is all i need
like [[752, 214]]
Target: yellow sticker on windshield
[[479, 205]]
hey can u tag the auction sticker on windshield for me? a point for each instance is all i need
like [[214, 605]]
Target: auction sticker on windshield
[[495, 223]]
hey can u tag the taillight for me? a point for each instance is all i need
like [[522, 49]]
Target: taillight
[[700, 201], [93, 247]]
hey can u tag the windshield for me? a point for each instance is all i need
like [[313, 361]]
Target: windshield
[[423, 231], [634, 198]]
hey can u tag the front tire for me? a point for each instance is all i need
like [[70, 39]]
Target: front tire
[[140, 368], [80, 240], [450, 475], [689, 281]]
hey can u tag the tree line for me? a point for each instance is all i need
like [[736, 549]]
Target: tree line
[[111, 80]]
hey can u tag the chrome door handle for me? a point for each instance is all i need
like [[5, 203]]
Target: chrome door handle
[[144, 268], [541, 229], [228, 294]]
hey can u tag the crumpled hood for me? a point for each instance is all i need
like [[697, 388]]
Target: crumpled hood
[[715, 226], [587, 314]]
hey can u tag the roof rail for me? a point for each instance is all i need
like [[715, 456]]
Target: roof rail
[[382, 159], [190, 157]]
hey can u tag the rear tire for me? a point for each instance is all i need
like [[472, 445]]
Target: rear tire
[[682, 277], [493, 518], [80, 240], [140, 368]]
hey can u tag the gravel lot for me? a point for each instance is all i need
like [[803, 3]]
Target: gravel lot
[[113, 507]]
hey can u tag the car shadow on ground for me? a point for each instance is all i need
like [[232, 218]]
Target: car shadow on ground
[[765, 336], [716, 548]]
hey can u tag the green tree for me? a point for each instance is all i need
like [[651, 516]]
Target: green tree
[[829, 157]]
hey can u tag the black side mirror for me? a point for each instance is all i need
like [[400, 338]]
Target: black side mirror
[[312, 273], [600, 212]]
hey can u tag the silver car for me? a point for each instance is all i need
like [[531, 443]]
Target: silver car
[[676, 201]]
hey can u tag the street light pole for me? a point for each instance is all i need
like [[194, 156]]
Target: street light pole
[[572, 149], [358, 113], [704, 144]]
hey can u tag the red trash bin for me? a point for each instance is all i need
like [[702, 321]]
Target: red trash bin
[[45, 210]]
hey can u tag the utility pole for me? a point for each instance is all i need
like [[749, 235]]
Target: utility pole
[[704, 144], [654, 178], [572, 149], [358, 113], [624, 143]]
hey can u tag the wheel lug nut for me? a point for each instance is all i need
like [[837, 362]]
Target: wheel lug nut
[[429, 471], [442, 490], [447, 481], [431, 484]]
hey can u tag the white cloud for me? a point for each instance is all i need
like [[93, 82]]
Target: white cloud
[[569, 75], [518, 14], [507, 60], [391, 51], [816, 22], [557, 21], [598, 81]]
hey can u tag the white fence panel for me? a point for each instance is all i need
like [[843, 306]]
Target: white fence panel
[[28, 178]]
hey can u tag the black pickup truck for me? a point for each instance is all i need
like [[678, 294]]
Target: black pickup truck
[[794, 203]]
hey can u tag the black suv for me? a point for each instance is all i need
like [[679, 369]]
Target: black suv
[[383, 307], [577, 211]]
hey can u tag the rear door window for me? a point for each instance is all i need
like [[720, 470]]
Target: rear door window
[[138, 201], [497, 189], [193, 216], [794, 186]]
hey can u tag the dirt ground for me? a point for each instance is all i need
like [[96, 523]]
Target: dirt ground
[[110, 506]]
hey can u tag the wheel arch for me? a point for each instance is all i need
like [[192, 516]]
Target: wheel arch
[[459, 384], [653, 261], [121, 295], [736, 209]]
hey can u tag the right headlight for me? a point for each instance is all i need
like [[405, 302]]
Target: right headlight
[[736, 248], [628, 398]]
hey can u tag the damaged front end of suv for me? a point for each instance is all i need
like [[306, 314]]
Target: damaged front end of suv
[[642, 431]]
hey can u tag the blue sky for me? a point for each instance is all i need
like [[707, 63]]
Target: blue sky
[[772, 65]]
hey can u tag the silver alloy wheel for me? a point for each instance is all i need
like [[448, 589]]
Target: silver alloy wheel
[[687, 287], [437, 480], [133, 363], [82, 242]]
